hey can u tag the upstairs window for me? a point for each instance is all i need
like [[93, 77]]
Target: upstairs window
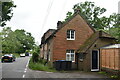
[[70, 34], [70, 55]]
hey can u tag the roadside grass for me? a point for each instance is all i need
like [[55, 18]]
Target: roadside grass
[[102, 72], [109, 75], [114, 76], [39, 66]]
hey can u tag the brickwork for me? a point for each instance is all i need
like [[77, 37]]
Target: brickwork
[[61, 44]]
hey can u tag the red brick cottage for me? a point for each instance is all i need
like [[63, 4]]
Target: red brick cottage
[[69, 42]]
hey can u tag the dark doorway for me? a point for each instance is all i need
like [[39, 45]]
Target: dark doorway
[[95, 60]]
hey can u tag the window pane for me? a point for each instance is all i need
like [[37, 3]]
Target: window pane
[[72, 34], [68, 34], [71, 51], [68, 57], [68, 51], [72, 57], [72, 31]]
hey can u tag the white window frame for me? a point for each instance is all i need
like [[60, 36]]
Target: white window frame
[[70, 55], [71, 35]]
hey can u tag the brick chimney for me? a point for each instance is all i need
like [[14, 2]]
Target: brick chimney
[[59, 24]]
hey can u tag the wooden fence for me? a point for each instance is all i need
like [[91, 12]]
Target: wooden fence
[[110, 58]]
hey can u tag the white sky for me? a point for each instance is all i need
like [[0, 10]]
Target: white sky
[[37, 16]]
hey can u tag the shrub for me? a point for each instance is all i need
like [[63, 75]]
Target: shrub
[[35, 57]]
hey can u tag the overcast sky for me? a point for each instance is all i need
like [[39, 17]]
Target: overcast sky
[[37, 16]]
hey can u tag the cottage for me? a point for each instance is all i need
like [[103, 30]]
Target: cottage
[[76, 41]]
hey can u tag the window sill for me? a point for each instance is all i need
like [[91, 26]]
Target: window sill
[[72, 61], [71, 39]]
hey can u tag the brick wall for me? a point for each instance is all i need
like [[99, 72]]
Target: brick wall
[[61, 44]]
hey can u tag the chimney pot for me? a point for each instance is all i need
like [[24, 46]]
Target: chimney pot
[[59, 24]]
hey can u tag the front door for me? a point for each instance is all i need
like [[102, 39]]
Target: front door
[[95, 60]]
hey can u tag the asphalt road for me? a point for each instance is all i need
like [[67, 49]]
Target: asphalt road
[[0, 70], [19, 69], [15, 69]]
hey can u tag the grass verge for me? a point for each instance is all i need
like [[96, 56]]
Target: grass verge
[[109, 75], [39, 66]]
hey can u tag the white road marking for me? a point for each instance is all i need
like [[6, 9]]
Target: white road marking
[[25, 71], [23, 76], [27, 63]]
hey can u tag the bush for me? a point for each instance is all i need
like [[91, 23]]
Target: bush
[[35, 57]]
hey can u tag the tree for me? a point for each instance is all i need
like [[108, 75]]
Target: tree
[[90, 13], [17, 41], [115, 29], [25, 39], [7, 8], [9, 42]]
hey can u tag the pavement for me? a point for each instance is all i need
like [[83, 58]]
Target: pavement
[[19, 69], [75, 74]]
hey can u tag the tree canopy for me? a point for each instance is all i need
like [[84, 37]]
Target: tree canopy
[[17, 41], [6, 12]]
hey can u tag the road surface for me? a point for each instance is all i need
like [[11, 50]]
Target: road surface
[[15, 69], [19, 69], [0, 70]]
